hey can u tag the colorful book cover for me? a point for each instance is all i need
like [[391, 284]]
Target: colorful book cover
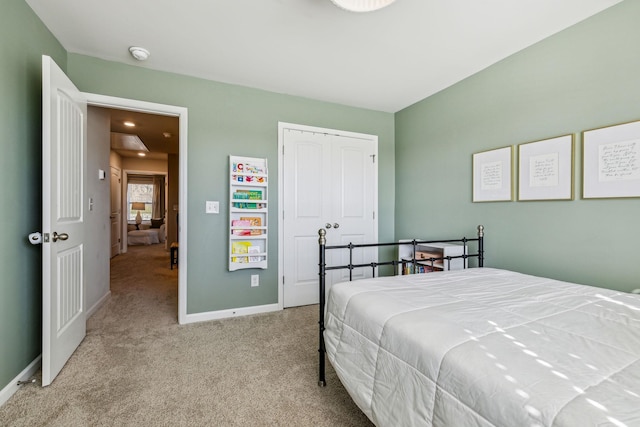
[[236, 230], [240, 248], [248, 195], [253, 221]]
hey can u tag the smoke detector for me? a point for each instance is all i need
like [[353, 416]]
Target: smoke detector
[[139, 53]]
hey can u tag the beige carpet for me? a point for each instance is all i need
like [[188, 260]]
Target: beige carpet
[[138, 367]]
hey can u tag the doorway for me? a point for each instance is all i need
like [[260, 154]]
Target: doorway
[[178, 203]]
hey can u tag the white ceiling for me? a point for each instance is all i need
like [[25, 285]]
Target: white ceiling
[[384, 60]]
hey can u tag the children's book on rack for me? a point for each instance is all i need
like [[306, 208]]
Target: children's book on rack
[[249, 179], [249, 251], [254, 250], [248, 195], [240, 248], [253, 221], [240, 227], [248, 213], [249, 167]]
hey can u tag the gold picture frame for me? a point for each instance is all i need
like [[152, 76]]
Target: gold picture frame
[[493, 175], [545, 169], [611, 161]]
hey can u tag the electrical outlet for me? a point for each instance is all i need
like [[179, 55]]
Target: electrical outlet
[[255, 280]]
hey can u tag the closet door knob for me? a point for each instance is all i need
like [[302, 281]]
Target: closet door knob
[[336, 225], [327, 225]]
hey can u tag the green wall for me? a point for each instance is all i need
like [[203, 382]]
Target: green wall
[[226, 119], [582, 78], [24, 40], [585, 77]]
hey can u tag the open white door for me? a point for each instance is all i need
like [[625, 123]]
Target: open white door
[[64, 123]]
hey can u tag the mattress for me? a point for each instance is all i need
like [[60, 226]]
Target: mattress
[[486, 347], [149, 236]]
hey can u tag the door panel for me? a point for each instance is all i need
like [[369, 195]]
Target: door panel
[[64, 144], [306, 192], [307, 179], [354, 209]]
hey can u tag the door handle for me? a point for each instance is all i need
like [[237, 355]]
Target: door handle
[[327, 225], [61, 236], [336, 225]]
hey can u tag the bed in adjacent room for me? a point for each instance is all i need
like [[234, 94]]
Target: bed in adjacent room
[[485, 347], [147, 234]]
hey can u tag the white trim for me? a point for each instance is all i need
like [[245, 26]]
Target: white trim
[[182, 114], [281, 127], [12, 387], [232, 312], [98, 304]]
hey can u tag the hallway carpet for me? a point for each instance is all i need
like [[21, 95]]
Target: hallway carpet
[[138, 367]]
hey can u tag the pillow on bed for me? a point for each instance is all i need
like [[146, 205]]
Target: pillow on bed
[[156, 223]]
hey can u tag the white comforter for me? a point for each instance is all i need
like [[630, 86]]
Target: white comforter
[[486, 347]]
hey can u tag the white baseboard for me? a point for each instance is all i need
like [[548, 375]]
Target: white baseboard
[[13, 386], [98, 304], [234, 312]]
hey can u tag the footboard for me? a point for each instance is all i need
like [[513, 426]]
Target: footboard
[[395, 264]]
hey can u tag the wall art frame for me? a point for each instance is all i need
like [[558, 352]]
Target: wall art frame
[[545, 169], [492, 173], [611, 161]]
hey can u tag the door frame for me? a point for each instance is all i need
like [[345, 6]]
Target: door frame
[[105, 101], [305, 128], [120, 236]]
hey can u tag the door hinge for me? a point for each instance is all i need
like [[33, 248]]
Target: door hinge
[[283, 280], [373, 158], [374, 214]]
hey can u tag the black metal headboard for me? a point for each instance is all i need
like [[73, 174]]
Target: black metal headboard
[[395, 263]]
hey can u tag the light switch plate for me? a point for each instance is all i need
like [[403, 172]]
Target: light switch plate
[[212, 207]]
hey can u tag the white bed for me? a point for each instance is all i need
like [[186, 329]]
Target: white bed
[[486, 347], [146, 235]]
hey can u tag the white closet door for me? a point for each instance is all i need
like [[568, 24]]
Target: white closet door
[[328, 180], [353, 209]]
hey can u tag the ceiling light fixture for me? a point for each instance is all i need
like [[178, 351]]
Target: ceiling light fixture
[[129, 124], [139, 53], [141, 154], [362, 5]]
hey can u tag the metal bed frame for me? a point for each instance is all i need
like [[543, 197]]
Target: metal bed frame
[[322, 243]]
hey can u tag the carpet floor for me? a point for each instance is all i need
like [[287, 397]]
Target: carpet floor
[[138, 367]]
